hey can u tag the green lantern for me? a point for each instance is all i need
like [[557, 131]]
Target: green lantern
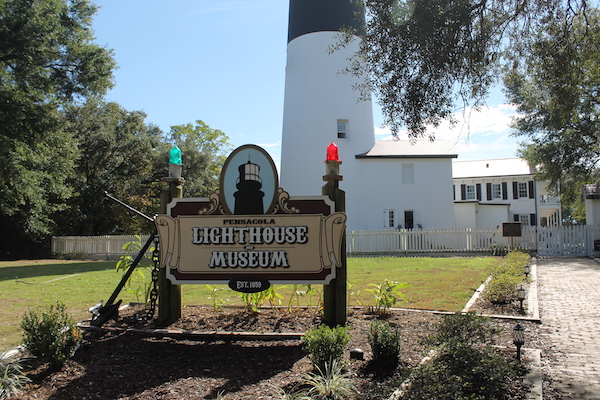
[[175, 163], [175, 156]]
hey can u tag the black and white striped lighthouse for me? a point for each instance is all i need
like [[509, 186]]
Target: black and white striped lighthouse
[[321, 105]]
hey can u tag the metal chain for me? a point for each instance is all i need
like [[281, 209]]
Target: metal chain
[[154, 291]]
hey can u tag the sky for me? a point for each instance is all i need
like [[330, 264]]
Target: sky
[[223, 62]]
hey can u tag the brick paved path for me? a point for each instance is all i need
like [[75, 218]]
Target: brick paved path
[[569, 296]]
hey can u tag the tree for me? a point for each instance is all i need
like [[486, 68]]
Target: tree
[[423, 58], [47, 62], [120, 154], [204, 151], [557, 90]]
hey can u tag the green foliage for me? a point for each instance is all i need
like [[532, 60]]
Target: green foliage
[[506, 278], [502, 289], [12, 378], [325, 344], [467, 374], [425, 59], [385, 343], [280, 394], [558, 101], [140, 281], [465, 366], [353, 292], [204, 151], [217, 302], [48, 61], [253, 301], [52, 335], [329, 383], [459, 330], [121, 154], [387, 294]]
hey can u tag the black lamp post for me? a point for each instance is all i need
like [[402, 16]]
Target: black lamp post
[[518, 339], [526, 270], [521, 296]]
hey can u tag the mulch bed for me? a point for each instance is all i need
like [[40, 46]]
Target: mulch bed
[[124, 365]]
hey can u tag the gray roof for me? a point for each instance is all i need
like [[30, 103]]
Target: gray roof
[[410, 149]]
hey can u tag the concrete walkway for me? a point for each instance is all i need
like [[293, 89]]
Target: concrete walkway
[[569, 297]]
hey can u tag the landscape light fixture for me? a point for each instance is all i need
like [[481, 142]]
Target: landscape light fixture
[[521, 296], [357, 354], [518, 339], [526, 270]]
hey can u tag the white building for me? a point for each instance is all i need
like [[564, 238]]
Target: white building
[[405, 185], [388, 183], [489, 192]]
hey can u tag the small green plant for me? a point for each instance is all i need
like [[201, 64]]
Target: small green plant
[[355, 293], [12, 378], [52, 335], [325, 344], [297, 293], [253, 301], [140, 282], [385, 343], [273, 296], [310, 290], [387, 294], [217, 302], [295, 394], [329, 383]]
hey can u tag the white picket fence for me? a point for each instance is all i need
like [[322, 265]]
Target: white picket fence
[[557, 241], [560, 241], [109, 246]]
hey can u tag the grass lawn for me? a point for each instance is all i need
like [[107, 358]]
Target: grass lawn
[[436, 284]]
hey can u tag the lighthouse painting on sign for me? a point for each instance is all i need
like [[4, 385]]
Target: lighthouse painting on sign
[[249, 197], [249, 182]]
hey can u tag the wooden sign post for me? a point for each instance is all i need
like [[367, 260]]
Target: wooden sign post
[[334, 294]]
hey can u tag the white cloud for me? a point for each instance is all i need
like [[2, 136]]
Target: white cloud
[[478, 134]]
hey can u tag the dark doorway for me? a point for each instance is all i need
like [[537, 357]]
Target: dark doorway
[[409, 221]]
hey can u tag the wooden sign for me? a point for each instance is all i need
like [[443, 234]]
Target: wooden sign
[[251, 233]]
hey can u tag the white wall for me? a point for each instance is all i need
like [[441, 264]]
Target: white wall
[[430, 196], [489, 215], [465, 214]]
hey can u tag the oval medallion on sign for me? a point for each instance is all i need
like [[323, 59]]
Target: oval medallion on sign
[[250, 284]]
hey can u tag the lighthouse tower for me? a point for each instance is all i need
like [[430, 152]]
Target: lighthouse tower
[[320, 105]]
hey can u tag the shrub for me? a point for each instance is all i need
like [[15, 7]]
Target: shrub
[[12, 378], [502, 289], [325, 345], [385, 343], [507, 276], [465, 366], [462, 330], [52, 335], [469, 374]]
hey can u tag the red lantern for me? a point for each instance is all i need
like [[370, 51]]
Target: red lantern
[[332, 152]]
